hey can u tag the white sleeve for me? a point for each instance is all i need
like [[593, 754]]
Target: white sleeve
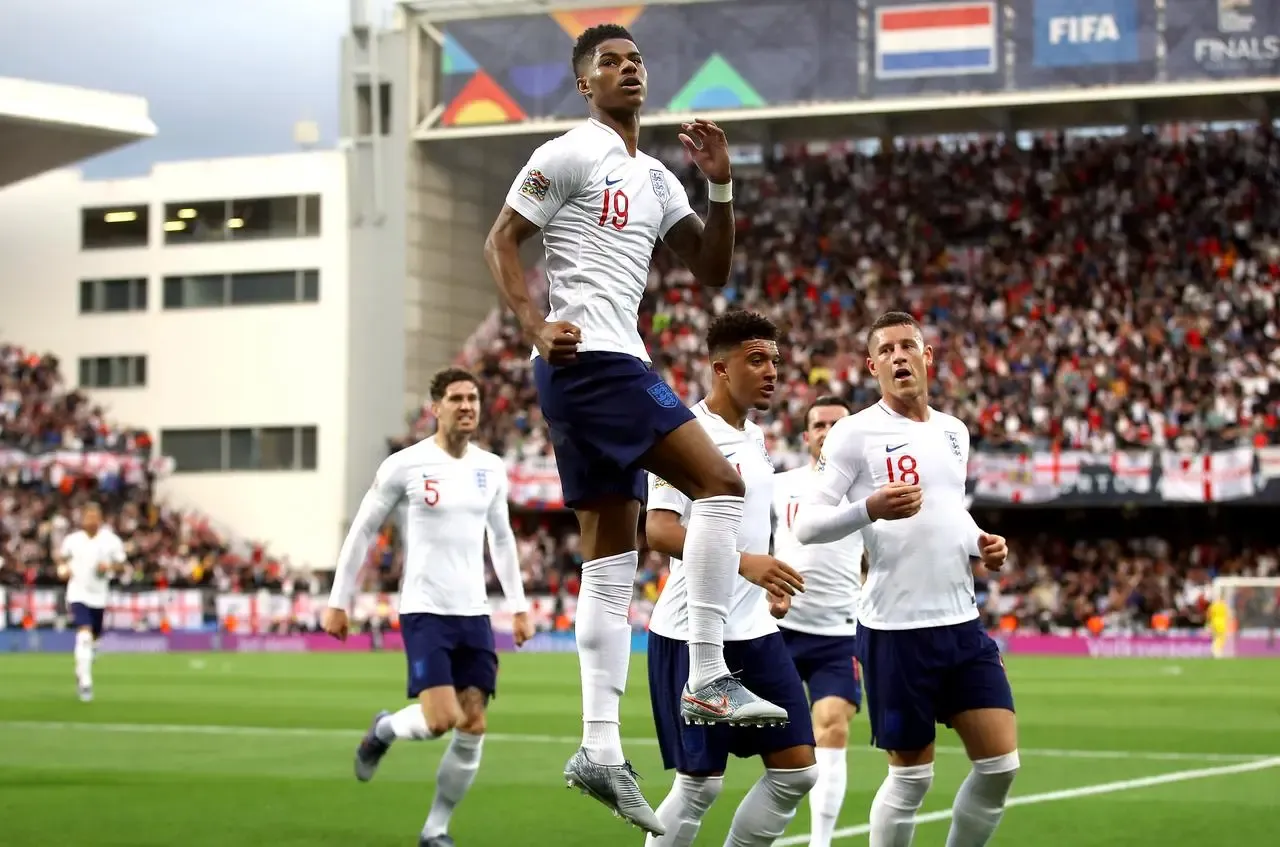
[[677, 207], [824, 516], [379, 502], [969, 527], [664, 495], [64, 549], [502, 548], [117, 551], [554, 173]]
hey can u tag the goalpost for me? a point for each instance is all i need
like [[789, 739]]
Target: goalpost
[[1253, 611]]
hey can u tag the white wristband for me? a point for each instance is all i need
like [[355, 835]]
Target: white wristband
[[720, 192]]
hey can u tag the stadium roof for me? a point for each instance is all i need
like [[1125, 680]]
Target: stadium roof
[[459, 9], [43, 126]]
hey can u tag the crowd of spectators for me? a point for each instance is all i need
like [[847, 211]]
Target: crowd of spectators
[[59, 452], [1091, 294]]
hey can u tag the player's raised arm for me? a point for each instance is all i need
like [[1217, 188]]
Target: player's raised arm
[[550, 179], [706, 249], [378, 503]]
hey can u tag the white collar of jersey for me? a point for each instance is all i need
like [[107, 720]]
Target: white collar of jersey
[[891, 413], [613, 133], [702, 404]]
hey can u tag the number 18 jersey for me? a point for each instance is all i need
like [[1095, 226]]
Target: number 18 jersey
[[919, 574]]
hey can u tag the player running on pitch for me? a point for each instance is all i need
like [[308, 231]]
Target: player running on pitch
[[896, 471], [87, 559], [820, 627], [455, 494], [744, 352], [602, 205]]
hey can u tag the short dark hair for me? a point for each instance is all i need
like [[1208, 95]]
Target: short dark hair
[[737, 326], [592, 38], [443, 379], [825, 400], [889, 319]]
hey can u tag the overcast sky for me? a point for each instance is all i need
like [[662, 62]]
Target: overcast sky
[[223, 77]]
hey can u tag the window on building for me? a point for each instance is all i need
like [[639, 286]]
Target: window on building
[[113, 371], [277, 448], [252, 288], [201, 291], [311, 214], [194, 450], [257, 289], [113, 295], [266, 217], [195, 222], [103, 227], [203, 221]]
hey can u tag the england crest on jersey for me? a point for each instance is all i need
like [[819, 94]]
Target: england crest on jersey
[[659, 182], [482, 479], [954, 440]]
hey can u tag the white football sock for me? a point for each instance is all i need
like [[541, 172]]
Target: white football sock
[[84, 657], [893, 811], [456, 773], [410, 723], [682, 810], [769, 806], [603, 631], [980, 801], [827, 795], [710, 565]]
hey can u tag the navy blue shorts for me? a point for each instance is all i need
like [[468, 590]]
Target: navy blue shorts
[[826, 664], [453, 650], [917, 678], [82, 616], [700, 750], [603, 413]]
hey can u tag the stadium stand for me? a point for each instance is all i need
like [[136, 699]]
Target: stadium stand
[[1092, 294], [1095, 293], [58, 452]]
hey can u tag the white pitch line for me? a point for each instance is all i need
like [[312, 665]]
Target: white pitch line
[[257, 731], [1069, 794]]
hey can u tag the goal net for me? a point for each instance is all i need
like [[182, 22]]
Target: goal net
[[1253, 614]]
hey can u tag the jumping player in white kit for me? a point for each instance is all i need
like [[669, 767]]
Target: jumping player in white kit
[[87, 559], [820, 626], [896, 472], [456, 496], [602, 206], [743, 351]]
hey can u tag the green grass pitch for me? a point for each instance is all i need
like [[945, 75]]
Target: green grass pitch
[[213, 750]]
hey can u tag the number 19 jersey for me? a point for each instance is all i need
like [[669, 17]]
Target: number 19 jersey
[[601, 212], [919, 572]]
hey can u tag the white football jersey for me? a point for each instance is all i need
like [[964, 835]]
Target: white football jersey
[[450, 504], [749, 615], [601, 213], [86, 554], [919, 573], [832, 571]]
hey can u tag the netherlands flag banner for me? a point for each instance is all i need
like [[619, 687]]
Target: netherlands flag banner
[[935, 39]]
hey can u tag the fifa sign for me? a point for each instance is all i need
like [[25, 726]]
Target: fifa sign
[[1242, 40]]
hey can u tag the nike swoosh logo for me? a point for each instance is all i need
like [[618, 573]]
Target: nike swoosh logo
[[719, 706], [889, 449], [608, 181]]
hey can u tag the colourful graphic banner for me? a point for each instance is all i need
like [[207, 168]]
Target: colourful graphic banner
[[699, 57]]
